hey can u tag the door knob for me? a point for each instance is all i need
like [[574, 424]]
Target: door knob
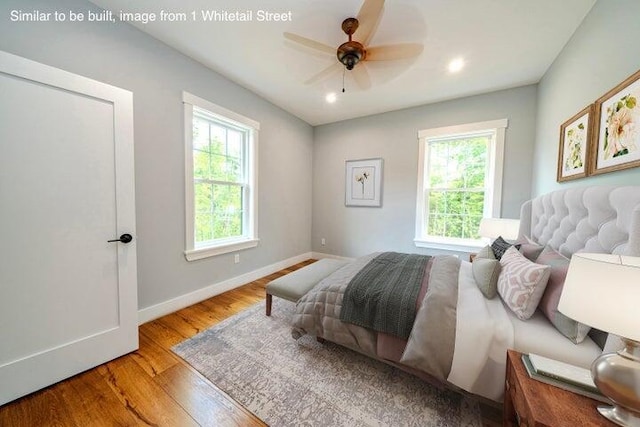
[[125, 238]]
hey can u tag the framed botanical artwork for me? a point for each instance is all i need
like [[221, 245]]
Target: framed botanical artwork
[[573, 155], [617, 135], [363, 183]]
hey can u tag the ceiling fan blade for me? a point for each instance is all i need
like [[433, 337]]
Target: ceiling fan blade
[[324, 73], [368, 18], [393, 51], [310, 43], [361, 76]]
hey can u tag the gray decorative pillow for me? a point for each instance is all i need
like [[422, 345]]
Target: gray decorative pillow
[[485, 252], [486, 272]]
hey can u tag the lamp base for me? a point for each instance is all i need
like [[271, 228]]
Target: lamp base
[[617, 375], [620, 416]]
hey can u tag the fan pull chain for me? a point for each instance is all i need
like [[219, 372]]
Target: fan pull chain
[[344, 71]]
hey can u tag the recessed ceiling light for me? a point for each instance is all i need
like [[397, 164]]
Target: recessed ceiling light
[[331, 97], [456, 65]]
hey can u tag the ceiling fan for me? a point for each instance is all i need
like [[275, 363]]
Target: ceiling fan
[[353, 54]]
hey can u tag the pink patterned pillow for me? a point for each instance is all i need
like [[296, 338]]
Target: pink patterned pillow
[[559, 264], [521, 283]]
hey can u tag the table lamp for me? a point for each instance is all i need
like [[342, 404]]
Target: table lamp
[[496, 227], [603, 291]]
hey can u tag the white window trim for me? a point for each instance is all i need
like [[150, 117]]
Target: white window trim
[[495, 170], [250, 239]]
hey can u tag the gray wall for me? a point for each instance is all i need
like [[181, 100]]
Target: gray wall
[[121, 55], [603, 52], [355, 231]]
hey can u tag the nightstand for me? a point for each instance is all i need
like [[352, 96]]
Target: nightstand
[[531, 403]]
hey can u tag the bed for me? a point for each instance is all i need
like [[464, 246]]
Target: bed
[[459, 331]]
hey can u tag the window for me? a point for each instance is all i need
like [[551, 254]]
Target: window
[[459, 183], [221, 197]]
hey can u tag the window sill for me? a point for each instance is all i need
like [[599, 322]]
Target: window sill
[[211, 251], [449, 246]]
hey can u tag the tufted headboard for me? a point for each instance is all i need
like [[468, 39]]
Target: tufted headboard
[[585, 219]]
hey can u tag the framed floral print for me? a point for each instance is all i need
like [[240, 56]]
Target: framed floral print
[[573, 156], [618, 128], [363, 183]]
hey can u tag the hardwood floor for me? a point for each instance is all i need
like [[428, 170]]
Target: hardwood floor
[[152, 386]]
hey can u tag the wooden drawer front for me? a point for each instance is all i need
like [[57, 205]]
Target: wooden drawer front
[[531, 403], [521, 410]]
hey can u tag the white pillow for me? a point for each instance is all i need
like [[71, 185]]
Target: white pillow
[[521, 283]]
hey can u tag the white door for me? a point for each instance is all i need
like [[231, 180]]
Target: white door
[[68, 298]]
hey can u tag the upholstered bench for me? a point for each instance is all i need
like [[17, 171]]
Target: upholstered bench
[[294, 285]]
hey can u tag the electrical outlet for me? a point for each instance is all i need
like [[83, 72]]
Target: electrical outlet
[[323, 241], [236, 258]]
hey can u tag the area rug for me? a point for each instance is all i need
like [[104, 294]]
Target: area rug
[[285, 382]]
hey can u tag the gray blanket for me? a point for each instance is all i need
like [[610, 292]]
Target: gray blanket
[[432, 342], [382, 296]]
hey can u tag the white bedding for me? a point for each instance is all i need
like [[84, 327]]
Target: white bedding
[[485, 329], [537, 335], [483, 335]]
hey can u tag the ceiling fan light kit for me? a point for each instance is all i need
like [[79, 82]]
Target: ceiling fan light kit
[[351, 52], [355, 53]]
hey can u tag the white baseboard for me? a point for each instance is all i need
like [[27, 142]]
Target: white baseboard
[[320, 255], [155, 311]]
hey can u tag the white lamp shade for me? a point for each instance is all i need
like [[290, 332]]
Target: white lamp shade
[[496, 227], [603, 291]]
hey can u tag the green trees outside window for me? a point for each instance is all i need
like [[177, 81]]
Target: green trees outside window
[[219, 166], [455, 186]]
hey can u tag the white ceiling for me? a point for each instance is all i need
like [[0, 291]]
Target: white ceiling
[[504, 43]]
